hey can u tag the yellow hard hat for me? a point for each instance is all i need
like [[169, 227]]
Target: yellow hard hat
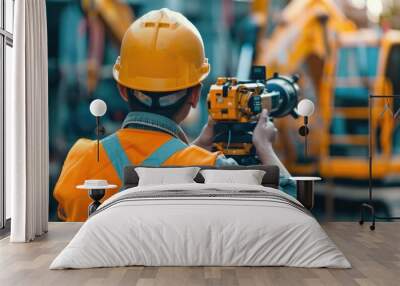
[[161, 51]]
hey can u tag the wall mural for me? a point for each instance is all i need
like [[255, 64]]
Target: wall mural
[[314, 86]]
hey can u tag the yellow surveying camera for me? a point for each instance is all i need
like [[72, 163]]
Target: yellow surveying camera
[[234, 106]]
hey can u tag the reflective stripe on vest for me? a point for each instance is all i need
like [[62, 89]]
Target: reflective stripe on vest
[[163, 152], [116, 154]]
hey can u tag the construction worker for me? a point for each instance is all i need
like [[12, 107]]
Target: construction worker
[[159, 74]]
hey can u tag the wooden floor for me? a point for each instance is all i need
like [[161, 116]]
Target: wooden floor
[[375, 257]]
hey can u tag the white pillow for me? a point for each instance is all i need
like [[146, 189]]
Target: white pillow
[[166, 176], [248, 177]]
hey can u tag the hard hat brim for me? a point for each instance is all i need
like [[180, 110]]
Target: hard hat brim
[[161, 84]]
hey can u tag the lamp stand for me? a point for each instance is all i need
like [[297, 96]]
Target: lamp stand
[[97, 137], [303, 131], [100, 131], [96, 195]]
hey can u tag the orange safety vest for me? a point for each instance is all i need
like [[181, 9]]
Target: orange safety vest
[[125, 147]]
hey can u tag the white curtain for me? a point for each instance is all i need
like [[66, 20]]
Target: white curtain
[[27, 156]]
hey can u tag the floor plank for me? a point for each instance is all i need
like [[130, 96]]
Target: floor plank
[[375, 257]]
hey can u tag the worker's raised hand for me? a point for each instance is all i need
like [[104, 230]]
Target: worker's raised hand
[[206, 136], [263, 136], [265, 132]]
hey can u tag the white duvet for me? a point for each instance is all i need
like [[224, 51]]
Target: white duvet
[[188, 231]]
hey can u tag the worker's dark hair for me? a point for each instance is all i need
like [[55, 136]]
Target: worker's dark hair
[[137, 101]]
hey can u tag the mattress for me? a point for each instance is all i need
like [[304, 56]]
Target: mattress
[[201, 225]]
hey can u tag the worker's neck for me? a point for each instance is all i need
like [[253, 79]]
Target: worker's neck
[[181, 114]]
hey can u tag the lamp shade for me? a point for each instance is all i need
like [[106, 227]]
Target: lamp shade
[[98, 107], [305, 107]]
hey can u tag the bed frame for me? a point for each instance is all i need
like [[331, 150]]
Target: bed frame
[[305, 188]]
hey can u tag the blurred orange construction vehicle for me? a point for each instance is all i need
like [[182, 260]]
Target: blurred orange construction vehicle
[[116, 15], [113, 16], [344, 65]]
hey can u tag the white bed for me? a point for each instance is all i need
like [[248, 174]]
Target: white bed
[[245, 225]]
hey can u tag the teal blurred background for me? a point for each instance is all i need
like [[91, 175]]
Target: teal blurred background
[[237, 34]]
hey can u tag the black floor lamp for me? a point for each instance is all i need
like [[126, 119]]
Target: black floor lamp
[[370, 204]]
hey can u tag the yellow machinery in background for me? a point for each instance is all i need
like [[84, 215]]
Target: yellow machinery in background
[[115, 14], [115, 17], [344, 65], [363, 62]]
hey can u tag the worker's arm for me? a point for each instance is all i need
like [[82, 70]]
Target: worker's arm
[[206, 136], [205, 141], [263, 137], [78, 166]]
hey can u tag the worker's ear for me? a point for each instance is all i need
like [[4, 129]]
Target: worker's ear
[[195, 96], [123, 92]]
